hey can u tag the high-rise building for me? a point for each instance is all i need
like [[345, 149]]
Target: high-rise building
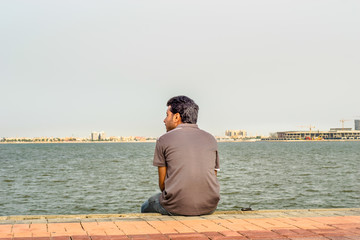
[[94, 136], [102, 136], [357, 124], [235, 133], [98, 136]]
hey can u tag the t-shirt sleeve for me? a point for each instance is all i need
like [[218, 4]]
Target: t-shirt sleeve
[[159, 157]]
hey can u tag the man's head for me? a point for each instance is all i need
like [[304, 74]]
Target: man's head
[[181, 109]]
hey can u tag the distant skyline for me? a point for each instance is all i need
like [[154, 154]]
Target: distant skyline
[[68, 68]]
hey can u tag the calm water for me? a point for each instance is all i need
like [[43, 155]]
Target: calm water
[[118, 177]]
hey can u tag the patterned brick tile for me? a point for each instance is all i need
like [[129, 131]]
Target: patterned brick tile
[[340, 238], [118, 237], [5, 229], [188, 236], [80, 237], [195, 225], [110, 228], [23, 238], [99, 237], [237, 224], [149, 236], [5, 235], [352, 237], [40, 230], [310, 238], [74, 229], [230, 234], [261, 235], [136, 227], [57, 230], [61, 238], [21, 231], [163, 227], [304, 225], [331, 232], [270, 224], [304, 232], [213, 235], [180, 227], [93, 228]]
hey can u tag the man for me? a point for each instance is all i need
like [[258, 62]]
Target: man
[[187, 160]]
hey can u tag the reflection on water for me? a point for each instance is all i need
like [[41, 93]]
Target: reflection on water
[[118, 177]]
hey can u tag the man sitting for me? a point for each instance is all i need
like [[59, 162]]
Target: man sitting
[[187, 160]]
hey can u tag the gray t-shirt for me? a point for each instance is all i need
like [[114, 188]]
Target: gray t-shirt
[[191, 157]]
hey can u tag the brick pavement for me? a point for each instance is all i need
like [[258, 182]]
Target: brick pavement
[[276, 224]]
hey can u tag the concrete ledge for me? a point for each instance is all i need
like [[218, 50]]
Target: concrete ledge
[[217, 214]]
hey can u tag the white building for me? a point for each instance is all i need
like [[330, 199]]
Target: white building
[[235, 133], [98, 136]]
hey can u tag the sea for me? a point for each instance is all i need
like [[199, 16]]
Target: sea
[[115, 178]]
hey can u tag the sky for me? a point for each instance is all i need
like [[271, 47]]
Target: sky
[[68, 68]]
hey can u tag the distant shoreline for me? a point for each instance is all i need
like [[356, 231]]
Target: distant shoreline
[[327, 140], [153, 141], [77, 142]]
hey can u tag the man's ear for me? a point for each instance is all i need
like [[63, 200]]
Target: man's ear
[[177, 117]]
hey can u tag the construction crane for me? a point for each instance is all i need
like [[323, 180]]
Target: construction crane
[[310, 127], [307, 126], [342, 122]]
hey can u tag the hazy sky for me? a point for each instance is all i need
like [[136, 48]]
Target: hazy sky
[[71, 67]]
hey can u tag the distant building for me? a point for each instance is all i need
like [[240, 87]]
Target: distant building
[[357, 125], [115, 139], [334, 133], [98, 136], [102, 136], [94, 136], [340, 129], [235, 133]]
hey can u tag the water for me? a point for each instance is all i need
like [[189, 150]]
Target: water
[[118, 177]]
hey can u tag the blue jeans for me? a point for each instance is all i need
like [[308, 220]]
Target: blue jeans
[[152, 205]]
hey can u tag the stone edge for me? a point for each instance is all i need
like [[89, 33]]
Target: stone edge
[[144, 215]]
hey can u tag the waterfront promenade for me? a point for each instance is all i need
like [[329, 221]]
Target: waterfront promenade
[[271, 224]]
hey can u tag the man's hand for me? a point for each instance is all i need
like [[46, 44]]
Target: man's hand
[[162, 174]]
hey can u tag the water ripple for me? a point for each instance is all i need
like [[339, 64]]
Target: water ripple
[[117, 178]]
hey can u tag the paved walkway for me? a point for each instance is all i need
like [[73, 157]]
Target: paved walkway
[[275, 224]]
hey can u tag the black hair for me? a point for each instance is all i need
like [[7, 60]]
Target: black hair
[[186, 107]]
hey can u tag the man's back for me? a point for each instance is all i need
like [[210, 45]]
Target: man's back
[[190, 156]]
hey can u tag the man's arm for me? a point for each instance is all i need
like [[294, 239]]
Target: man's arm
[[162, 174], [217, 163]]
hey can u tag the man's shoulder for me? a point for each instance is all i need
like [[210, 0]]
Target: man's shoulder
[[209, 136], [183, 129], [168, 135], [206, 133]]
